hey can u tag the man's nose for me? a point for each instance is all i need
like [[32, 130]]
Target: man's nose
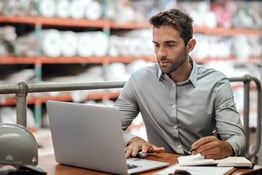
[[161, 52]]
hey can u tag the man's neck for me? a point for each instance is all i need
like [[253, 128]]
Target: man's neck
[[182, 76]]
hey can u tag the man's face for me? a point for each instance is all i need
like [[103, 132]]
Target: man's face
[[170, 49]]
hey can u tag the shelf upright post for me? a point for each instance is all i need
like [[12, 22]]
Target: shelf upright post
[[38, 66], [106, 27], [38, 30], [38, 102]]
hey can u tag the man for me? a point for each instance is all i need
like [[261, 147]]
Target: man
[[181, 102]]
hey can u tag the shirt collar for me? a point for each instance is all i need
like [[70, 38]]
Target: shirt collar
[[192, 78], [160, 73], [193, 75]]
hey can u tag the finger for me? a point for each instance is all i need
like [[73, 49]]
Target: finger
[[134, 152], [202, 141], [207, 148], [215, 153], [152, 148], [128, 152], [210, 152], [158, 149], [135, 149], [131, 150], [148, 147]]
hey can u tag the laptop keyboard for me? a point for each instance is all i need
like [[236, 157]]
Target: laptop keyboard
[[131, 166]]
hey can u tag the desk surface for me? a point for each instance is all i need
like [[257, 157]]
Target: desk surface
[[49, 164]]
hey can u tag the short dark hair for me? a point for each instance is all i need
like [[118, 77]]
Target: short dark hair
[[179, 20]]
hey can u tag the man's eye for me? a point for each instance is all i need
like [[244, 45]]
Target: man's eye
[[170, 45]]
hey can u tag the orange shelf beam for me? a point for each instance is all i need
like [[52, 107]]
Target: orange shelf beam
[[209, 59], [17, 60], [69, 22], [116, 25], [70, 60], [72, 22], [225, 31], [45, 21]]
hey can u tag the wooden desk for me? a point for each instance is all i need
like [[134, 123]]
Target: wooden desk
[[49, 164]]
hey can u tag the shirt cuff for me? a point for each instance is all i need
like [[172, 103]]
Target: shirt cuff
[[238, 150]]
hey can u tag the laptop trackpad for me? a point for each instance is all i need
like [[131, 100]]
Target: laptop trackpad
[[140, 165]]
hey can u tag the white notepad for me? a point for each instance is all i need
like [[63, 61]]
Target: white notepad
[[196, 160]]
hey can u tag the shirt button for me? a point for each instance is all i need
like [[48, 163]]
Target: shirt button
[[175, 126], [179, 146], [174, 106]]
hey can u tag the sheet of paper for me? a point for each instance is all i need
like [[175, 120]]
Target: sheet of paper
[[197, 170], [195, 160]]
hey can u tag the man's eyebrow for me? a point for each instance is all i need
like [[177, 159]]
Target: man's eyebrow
[[170, 41], [167, 42]]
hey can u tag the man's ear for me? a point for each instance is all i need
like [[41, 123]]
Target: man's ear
[[191, 44]]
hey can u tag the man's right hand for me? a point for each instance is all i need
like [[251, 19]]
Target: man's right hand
[[137, 144]]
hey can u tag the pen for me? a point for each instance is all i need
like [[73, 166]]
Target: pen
[[214, 133], [188, 152]]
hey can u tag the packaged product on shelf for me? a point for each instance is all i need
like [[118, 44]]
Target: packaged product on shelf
[[62, 9], [51, 42], [69, 43], [47, 8]]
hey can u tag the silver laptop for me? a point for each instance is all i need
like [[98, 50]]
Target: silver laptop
[[90, 136]]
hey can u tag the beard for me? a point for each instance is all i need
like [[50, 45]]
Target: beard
[[169, 66]]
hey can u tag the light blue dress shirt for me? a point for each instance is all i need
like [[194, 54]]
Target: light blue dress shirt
[[176, 114]]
